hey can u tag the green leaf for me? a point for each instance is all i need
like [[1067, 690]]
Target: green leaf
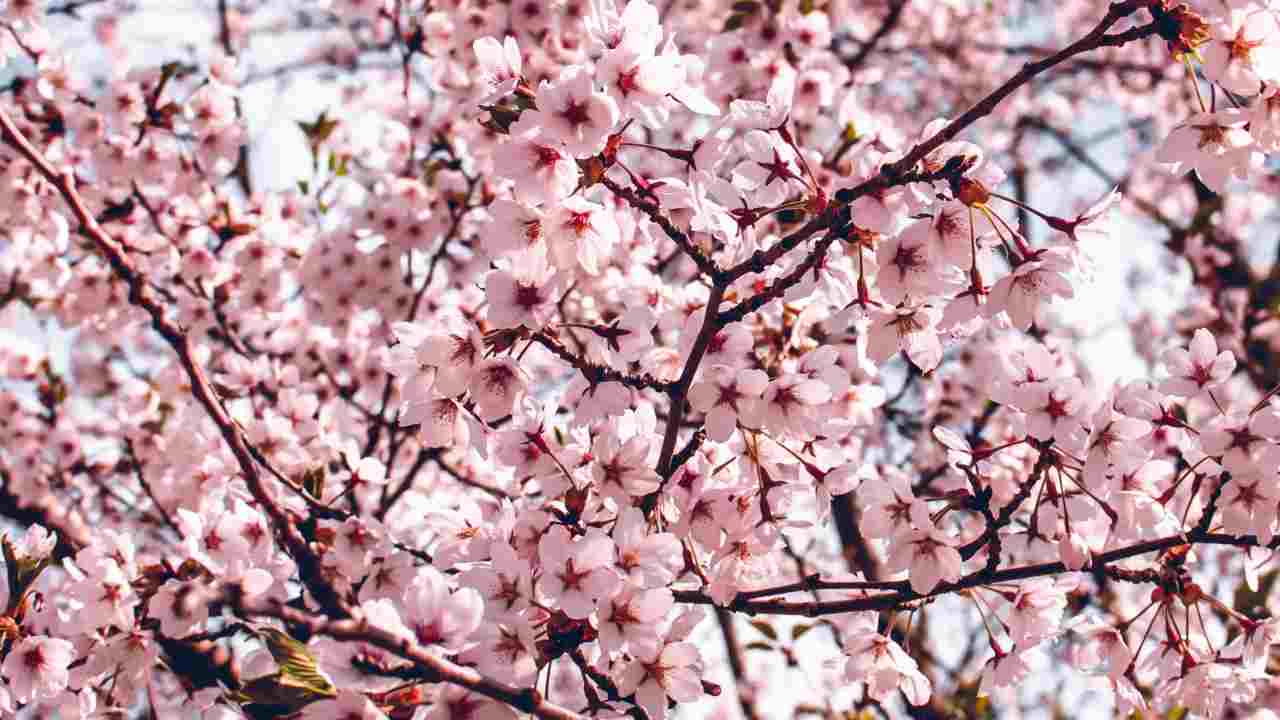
[[298, 668], [313, 482], [319, 130], [735, 22], [21, 572], [277, 692], [1247, 602], [765, 629], [758, 645]]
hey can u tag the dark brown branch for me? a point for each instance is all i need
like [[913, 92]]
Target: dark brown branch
[[596, 374], [681, 388], [903, 594], [431, 667]]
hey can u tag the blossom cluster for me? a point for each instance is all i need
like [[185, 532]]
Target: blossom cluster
[[599, 340]]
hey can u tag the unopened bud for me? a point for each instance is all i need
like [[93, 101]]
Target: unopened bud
[[972, 193]]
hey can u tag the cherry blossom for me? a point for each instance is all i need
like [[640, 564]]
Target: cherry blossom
[[928, 557], [347, 706], [885, 667], [910, 328], [1198, 369], [500, 66], [1244, 52], [36, 667], [725, 396], [622, 358], [572, 111], [662, 670], [1215, 145], [577, 574], [525, 295]]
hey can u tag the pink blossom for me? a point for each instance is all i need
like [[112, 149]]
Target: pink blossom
[[1215, 145], [500, 66], [577, 574], [543, 172], [1198, 369], [1102, 644], [346, 706], [1024, 293], [910, 328], [726, 395], [525, 295], [659, 671], [622, 469], [1264, 121], [928, 557], [582, 233], [1004, 671], [36, 667], [632, 615], [1245, 50], [773, 111], [883, 665], [438, 615], [648, 559], [572, 113]]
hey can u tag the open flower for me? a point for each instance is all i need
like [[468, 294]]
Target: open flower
[[1023, 293], [725, 395], [541, 169], [910, 327], [1199, 368], [524, 295], [577, 574], [582, 233], [36, 667], [928, 557], [1244, 51], [500, 67], [884, 667], [572, 113], [622, 468], [1217, 146], [660, 670]]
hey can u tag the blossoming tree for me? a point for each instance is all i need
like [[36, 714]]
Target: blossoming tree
[[645, 359]]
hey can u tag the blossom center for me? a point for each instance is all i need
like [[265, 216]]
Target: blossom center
[[575, 113]]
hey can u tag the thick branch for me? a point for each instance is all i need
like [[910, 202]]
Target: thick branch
[[681, 389], [431, 667], [903, 594]]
